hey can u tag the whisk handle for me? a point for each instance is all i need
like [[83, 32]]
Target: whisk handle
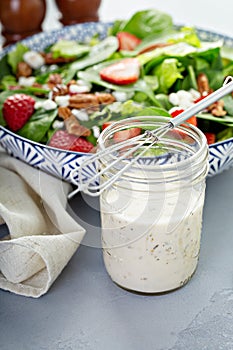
[[204, 103]]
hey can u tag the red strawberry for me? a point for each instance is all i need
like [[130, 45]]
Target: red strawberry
[[63, 140], [126, 134], [17, 109], [127, 41], [192, 120], [210, 137], [126, 71], [105, 125]]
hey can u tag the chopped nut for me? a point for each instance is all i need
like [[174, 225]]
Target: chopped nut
[[73, 127], [23, 70], [49, 59], [105, 98], [216, 109], [83, 101], [64, 112], [203, 84], [54, 79], [59, 90]]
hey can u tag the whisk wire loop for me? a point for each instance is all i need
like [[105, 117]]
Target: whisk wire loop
[[90, 187]]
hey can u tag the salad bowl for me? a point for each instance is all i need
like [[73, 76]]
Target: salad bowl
[[60, 162]]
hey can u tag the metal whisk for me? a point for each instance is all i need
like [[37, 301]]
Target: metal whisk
[[149, 138]]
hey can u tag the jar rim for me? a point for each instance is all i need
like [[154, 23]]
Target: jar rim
[[196, 158]]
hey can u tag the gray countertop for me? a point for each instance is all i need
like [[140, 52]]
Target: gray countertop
[[84, 309]]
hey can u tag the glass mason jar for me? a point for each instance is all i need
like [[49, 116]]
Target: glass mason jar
[[152, 214]]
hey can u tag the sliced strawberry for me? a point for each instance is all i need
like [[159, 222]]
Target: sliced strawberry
[[192, 120], [126, 71], [105, 125], [17, 109], [201, 97], [127, 41], [210, 137], [63, 140], [126, 134]]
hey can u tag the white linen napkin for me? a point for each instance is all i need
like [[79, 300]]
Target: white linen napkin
[[43, 236]]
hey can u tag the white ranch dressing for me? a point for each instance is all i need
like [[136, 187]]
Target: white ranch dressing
[[151, 243]]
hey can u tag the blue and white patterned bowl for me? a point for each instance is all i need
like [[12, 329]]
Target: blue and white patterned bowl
[[59, 162]]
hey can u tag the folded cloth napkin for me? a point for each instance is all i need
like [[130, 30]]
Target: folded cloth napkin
[[42, 235]]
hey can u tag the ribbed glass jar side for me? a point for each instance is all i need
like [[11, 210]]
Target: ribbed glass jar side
[[152, 215]]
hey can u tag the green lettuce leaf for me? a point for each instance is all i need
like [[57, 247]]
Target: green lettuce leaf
[[16, 56], [68, 49], [167, 73]]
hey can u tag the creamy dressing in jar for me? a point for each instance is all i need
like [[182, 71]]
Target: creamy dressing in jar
[[152, 218]]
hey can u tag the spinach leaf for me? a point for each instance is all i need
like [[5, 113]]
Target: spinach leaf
[[144, 23], [226, 120], [4, 67], [228, 104], [225, 134], [38, 125]]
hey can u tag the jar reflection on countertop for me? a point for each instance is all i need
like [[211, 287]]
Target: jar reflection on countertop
[[21, 18], [152, 215]]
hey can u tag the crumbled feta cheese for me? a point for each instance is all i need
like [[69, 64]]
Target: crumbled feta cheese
[[173, 98], [183, 94], [77, 89], [185, 99], [53, 67], [33, 59], [58, 124], [48, 105], [62, 101], [81, 115], [195, 94], [120, 96], [84, 82], [23, 81], [96, 131], [38, 105]]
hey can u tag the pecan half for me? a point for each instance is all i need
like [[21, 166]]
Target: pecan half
[[59, 90], [203, 84], [23, 70], [64, 112], [105, 98], [217, 109], [49, 59], [83, 101], [53, 80]]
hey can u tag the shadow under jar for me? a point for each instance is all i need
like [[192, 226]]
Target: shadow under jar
[[152, 214], [78, 11], [21, 18]]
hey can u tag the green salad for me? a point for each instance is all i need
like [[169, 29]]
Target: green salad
[[67, 94]]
